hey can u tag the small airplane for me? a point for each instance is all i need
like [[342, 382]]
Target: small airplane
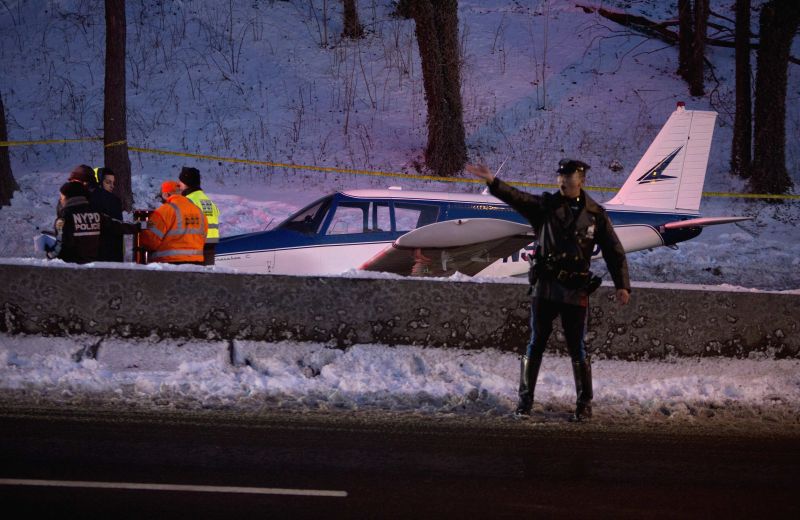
[[438, 234]]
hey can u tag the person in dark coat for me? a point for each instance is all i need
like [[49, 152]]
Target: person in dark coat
[[568, 224], [103, 200], [79, 226], [83, 175], [189, 183]]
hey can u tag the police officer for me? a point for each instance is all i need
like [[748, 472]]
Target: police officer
[[103, 199], [567, 224], [189, 184], [80, 228]]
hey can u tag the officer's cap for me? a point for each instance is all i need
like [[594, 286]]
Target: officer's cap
[[570, 166]]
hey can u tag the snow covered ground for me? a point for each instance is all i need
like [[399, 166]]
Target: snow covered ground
[[255, 80], [307, 377]]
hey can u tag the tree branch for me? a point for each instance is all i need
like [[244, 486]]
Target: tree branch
[[660, 29]]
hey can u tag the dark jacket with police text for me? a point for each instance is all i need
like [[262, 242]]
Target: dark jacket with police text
[[81, 227], [567, 240]]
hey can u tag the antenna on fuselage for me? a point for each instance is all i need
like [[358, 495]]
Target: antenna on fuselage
[[496, 174]]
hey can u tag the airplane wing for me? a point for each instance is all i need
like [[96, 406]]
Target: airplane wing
[[466, 245], [704, 221]]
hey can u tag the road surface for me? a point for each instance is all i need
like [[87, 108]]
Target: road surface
[[64, 460]]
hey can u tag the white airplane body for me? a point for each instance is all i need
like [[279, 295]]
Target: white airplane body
[[437, 234]]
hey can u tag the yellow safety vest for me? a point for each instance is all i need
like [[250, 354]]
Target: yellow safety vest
[[211, 212]]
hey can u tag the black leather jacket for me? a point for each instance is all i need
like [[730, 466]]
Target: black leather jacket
[[566, 242]]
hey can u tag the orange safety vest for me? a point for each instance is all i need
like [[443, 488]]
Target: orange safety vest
[[176, 232]]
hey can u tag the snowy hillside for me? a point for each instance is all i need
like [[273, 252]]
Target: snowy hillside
[[260, 81]]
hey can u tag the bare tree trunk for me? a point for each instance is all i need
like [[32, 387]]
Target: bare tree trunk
[[698, 55], [114, 111], [777, 24], [352, 26], [7, 183], [743, 121], [437, 36], [402, 9], [685, 37]]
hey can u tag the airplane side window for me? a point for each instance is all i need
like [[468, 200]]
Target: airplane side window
[[349, 218], [381, 219], [411, 216]]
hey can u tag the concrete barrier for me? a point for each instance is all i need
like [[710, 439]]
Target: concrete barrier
[[143, 301]]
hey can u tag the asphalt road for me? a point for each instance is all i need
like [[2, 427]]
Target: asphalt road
[[59, 462]]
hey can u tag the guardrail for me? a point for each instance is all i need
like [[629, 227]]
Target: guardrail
[[165, 301]]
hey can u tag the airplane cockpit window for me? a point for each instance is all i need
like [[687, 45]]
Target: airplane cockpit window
[[308, 219], [410, 216], [360, 217]]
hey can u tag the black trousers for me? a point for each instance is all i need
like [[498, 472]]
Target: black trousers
[[573, 319], [208, 253]]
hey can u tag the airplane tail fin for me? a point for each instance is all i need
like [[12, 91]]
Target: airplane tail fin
[[670, 175]]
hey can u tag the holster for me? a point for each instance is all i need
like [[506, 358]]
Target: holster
[[533, 273], [594, 283]]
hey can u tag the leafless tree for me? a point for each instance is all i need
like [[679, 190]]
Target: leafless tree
[[698, 55], [352, 26], [685, 37], [743, 120], [778, 23], [7, 183], [437, 36], [114, 111], [692, 24]]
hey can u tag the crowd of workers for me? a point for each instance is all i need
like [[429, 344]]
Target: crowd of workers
[[89, 225]]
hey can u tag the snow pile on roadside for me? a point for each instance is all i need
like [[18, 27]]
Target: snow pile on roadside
[[312, 377]]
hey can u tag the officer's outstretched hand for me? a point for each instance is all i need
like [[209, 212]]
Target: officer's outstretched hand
[[623, 296], [480, 170]]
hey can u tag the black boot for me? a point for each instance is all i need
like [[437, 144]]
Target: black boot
[[528, 373], [582, 371]]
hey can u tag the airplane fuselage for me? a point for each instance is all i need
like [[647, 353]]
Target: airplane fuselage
[[339, 232]]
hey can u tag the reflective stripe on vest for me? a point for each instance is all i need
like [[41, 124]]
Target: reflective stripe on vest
[[178, 218], [211, 212], [177, 252], [173, 232], [154, 230]]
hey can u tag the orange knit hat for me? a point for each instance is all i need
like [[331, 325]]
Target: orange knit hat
[[170, 187]]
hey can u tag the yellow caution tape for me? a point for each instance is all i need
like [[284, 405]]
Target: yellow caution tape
[[412, 176], [374, 173]]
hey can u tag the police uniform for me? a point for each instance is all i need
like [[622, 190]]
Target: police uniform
[[79, 228], [567, 232]]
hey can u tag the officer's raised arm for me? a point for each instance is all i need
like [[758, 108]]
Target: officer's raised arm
[[481, 171]]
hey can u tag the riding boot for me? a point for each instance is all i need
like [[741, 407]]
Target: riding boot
[[528, 373], [582, 371]]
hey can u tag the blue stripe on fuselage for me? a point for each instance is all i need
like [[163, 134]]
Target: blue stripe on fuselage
[[284, 239]]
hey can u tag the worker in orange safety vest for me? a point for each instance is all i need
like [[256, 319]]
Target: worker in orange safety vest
[[176, 231]]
